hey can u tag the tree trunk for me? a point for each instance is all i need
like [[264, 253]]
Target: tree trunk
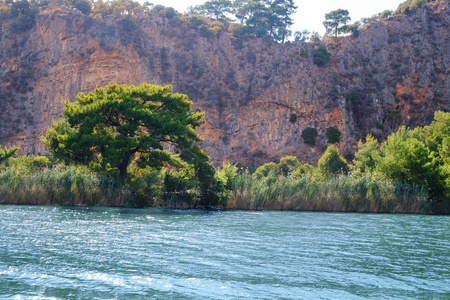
[[124, 166]]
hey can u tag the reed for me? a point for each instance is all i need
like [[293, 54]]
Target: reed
[[61, 186], [79, 186], [339, 194]]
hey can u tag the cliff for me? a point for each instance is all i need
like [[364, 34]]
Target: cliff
[[395, 72]]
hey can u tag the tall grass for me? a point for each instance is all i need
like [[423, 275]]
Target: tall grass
[[61, 186], [79, 186], [339, 194]]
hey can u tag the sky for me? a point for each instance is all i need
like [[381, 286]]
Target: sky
[[310, 13]]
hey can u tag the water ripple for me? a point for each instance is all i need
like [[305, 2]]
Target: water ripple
[[116, 253]]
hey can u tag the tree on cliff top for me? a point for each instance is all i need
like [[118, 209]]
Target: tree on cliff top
[[336, 20], [117, 125], [214, 9]]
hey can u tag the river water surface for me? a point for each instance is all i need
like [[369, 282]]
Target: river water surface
[[116, 253]]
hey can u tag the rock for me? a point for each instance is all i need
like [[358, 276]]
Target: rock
[[248, 92]]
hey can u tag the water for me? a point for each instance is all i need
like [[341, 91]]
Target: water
[[115, 253]]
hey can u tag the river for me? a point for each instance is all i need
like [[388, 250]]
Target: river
[[120, 253]]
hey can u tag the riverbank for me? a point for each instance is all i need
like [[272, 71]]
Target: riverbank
[[75, 186]]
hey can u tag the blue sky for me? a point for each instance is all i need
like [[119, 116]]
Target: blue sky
[[310, 14]]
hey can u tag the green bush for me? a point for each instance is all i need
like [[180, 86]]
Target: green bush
[[366, 156], [321, 56], [84, 6], [332, 163], [293, 118], [29, 164], [410, 6], [7, 153], [352, 98], [395, 115], [309, 136], [333, 135], [163, 11], [24, 14], [288, 165], [128, 24], [266, 169]]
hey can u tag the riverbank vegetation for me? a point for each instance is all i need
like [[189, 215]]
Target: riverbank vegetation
[[134, 146]]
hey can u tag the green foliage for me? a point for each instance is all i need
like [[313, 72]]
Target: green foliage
[[29, 164], [117, 125], [301, 36], [84, 6], [333, 135], [352, 98], [116, 8], [128, 24], [386, 14], [409, 6], [59, 186], [287, 165], [293, 118], [24, 14], [257, 17], [353, 28], [216, 9], [321, 55], [335, 21], [309, 136], [205, 26], [340, 193], [266, 169], [211, 187], [166, 12], [303, 170], [366, 156], [227, 174], [7, 153], [395, 115], [435, 135], [406, 159], [178, 188], [332, 163]]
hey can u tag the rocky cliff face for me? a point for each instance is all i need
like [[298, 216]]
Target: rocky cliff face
[[395, 72]]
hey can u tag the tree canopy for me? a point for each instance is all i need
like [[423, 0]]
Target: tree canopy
[[114, 126], [336, 20], [216, 9], [259, 17]]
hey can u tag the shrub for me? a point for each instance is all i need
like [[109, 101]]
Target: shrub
[[352, 98], [288, 165], [395, 115], [333, 135], [309, 136], [332, 163], [84, 6], [29, 164], [293, 118], [410, 6], [128, 24], [167, 12], [26, 15], [266, 169], [321, 55]]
